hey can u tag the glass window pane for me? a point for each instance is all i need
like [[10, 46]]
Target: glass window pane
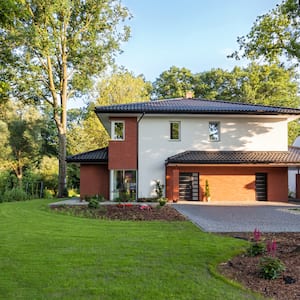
[[118, 130], [174, 130], [124, 185], [214, 131]]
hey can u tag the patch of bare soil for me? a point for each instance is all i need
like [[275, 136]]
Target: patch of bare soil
[[244, 269], [125, 212]]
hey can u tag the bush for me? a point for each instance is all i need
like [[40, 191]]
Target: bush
[[15, 194], [162, 201], [256, 249], [270, 267], [48, 194], [93, 203]]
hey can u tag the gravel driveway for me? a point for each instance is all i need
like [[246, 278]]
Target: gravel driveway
[[243, 218]]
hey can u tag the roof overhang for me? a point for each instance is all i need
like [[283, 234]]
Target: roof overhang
[[290, 158]]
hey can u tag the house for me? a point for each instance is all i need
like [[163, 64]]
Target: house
[[240, 150]]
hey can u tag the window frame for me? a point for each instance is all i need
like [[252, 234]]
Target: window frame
[[124, 183], [170, 131], [211, 134], [113, 130]]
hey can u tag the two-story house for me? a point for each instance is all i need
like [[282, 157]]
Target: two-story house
[[239, 150]]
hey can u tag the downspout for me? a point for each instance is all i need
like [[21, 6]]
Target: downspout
[[137, 156]]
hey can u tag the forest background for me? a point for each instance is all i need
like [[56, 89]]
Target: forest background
[[53, 52]]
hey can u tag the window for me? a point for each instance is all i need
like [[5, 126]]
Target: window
[[214, 131], [124, 185], [175, 131], [118, 130]]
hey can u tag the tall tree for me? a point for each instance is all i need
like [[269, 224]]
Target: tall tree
[[257, 84], [55, 47], [23, 141], [120, 87], [173, 83], [274, 35]]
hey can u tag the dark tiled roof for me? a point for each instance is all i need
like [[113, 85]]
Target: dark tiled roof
[[195, 106], [96, 156], [237, 157]]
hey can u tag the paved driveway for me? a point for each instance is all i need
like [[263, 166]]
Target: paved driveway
[[270, 217]]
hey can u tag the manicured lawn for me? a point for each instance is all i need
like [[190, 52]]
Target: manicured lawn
[[44, 255]]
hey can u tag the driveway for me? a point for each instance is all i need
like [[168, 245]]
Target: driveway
[[268, 217]]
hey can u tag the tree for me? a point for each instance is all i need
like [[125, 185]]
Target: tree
[[216, 84], [120, 87], [173, 83], [257, 84], [24, 141], [274, 35], [55, 48]]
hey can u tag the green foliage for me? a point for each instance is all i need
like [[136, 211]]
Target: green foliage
[[162, 201], [207, 189], [54, 50], [159, 189], [93, 203], [271, 267], [273, 36], [256, 248], [173, 83], [15, 194]]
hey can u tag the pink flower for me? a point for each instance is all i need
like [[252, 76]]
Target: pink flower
[[257, 235]]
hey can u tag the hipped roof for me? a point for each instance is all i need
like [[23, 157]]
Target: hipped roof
[[291, 157], [95, 156]]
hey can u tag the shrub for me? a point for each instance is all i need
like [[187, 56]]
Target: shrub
[[15, 194], [93, 203], [48, 194], [270, 267], [162, 201], [159, 189], [256, 249]]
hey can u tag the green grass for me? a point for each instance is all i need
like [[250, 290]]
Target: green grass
[[44, 255]]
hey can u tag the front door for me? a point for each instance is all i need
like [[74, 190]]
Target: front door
[[189, 186]]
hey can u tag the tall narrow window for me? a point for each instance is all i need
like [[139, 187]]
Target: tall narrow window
[[214, 131], [175, 131], [124, 185], [118, 130]]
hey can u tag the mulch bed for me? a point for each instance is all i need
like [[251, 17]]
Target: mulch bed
[[242, 268], [126, 212]]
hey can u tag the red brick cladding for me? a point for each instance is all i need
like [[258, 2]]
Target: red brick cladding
[[94, 180], [123, 154], [231, 183]]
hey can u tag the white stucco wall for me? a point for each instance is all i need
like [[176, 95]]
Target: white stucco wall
[[293, 171], [246, 133]]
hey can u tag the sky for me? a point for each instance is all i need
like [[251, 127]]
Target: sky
[[195, 34]]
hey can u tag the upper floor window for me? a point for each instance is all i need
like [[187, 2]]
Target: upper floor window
[[214, 131], [175, 131], [118, 130]]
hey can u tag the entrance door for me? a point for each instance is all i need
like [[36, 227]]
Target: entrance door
[[261, 186], [189, 186]]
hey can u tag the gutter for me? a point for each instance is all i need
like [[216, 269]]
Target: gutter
[[137, 154]]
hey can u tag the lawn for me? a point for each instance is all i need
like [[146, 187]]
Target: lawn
[[45, 255]]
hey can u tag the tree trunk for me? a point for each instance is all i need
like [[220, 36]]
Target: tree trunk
[[62, 185]]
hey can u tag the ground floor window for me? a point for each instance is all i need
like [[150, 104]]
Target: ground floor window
[[124, 185]]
